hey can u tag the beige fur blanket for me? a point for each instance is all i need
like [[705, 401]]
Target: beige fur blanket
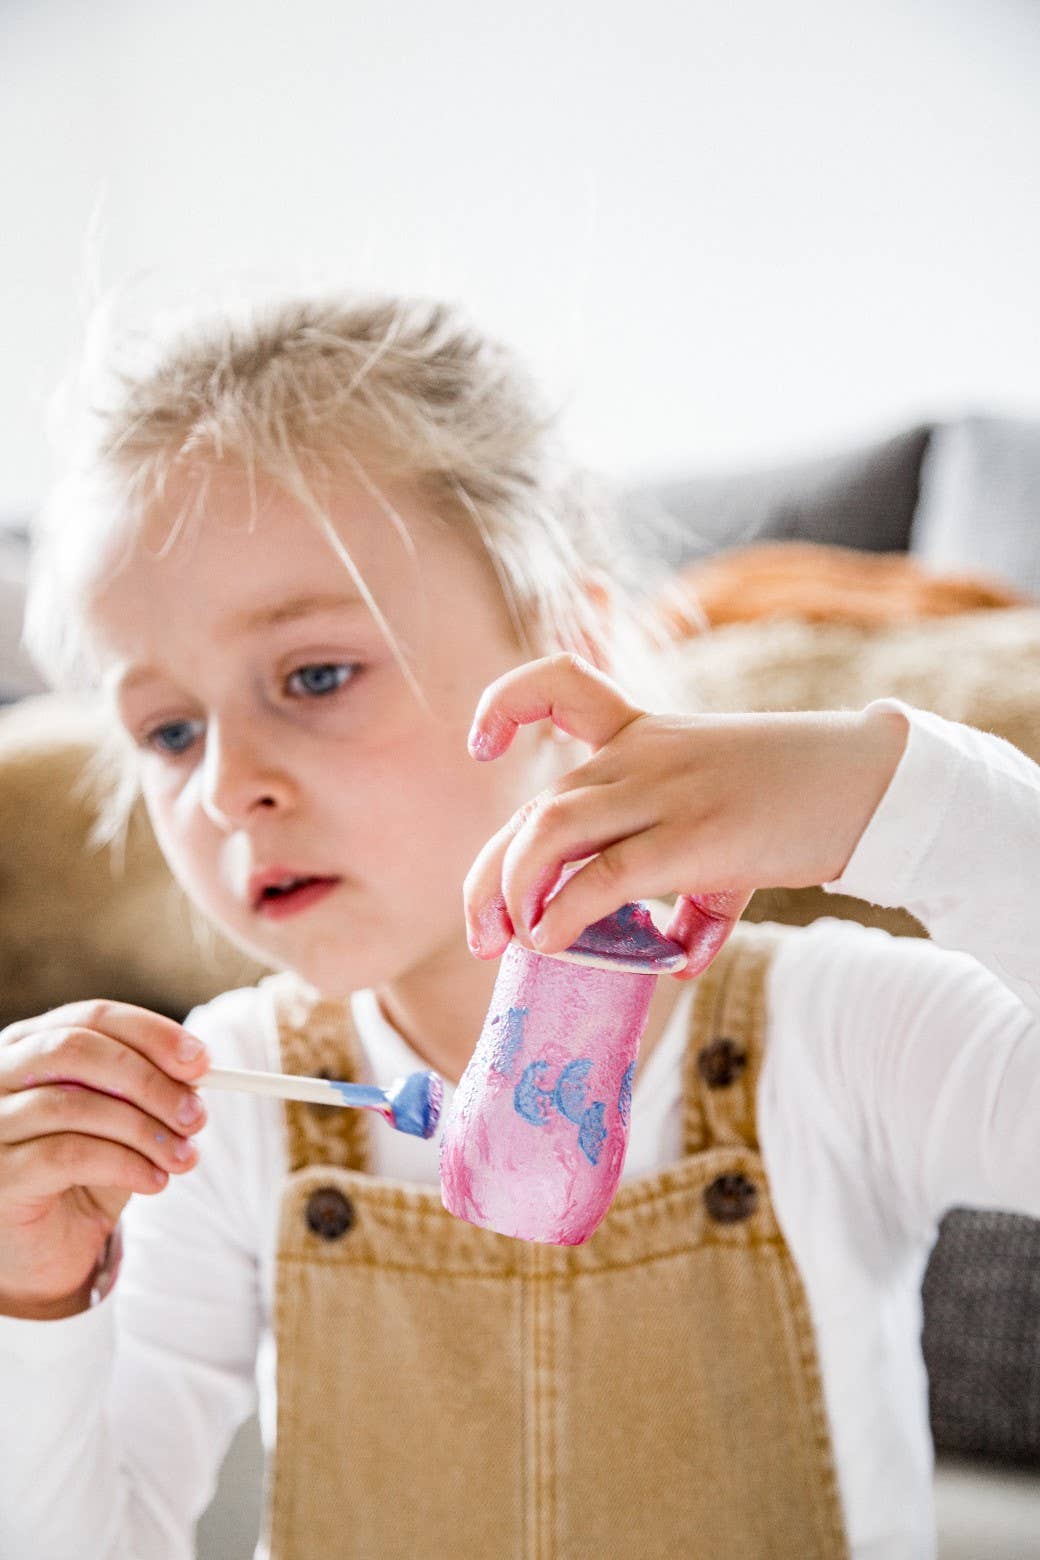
[[981, 668], [76, 921]]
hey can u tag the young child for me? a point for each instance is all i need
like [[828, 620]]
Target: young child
[[303, 558]]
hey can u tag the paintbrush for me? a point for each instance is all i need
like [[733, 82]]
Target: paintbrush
[[411, 1104]]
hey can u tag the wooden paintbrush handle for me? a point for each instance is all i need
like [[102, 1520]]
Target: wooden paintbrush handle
[[286, 1086]]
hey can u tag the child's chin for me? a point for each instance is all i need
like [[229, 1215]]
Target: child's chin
[[357, 956], [335, 974]]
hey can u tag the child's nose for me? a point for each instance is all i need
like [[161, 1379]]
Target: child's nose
[[240, 774]]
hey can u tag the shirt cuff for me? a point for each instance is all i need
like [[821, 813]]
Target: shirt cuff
[[58, 1342], [903, 828], [44, 1341]]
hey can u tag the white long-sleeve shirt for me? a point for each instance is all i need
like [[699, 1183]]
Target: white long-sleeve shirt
[[901, 1077]]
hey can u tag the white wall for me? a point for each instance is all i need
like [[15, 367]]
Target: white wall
[[720, 233]]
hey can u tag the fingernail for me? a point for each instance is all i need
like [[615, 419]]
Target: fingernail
[[189, 1110], [183, 1150], [484, 743], [188, 1048], [537, 934], [492, 924]]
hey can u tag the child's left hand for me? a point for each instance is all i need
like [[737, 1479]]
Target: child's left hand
[[710, 807]]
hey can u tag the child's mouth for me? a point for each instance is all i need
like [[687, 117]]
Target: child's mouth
[[276, 903]]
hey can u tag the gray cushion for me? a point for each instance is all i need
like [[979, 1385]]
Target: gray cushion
[[862, 498], [981, 1337], [980, 500]]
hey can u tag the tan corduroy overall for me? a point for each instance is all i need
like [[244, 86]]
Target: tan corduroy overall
[[444, 1391]]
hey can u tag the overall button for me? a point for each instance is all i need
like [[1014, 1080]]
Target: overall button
[[721, 1063], [329, 1213], [731, 1198]]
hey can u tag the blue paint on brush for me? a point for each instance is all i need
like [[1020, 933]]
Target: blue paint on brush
[[413, 1105], [417, 1104]]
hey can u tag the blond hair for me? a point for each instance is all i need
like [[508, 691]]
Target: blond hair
[[384, 390]]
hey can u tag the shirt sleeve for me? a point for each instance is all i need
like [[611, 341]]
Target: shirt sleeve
[[125, 1411], [936, 1049]]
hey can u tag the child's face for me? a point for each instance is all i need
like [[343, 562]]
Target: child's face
[[285, 739]]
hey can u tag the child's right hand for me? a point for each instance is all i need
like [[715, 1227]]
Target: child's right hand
[[95, 1103]]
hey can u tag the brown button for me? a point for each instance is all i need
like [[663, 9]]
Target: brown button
[[731, 1198], [721, 1063], [329, 1213]]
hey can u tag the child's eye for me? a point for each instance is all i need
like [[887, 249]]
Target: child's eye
[[324, 677], [175, 737]]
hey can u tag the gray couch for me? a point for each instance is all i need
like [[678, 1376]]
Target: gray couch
[[959, 495]]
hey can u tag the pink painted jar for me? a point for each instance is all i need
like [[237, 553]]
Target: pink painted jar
[[536, 1136]]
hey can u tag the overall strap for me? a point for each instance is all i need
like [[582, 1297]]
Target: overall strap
[[317, 1038], [726, 1039]]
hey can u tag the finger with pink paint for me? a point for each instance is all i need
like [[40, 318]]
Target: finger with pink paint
[[615, 812]]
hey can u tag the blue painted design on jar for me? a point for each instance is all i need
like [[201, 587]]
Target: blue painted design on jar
[[530, 1100], [509, 1046], [624, 1102], [536, 1103], [593, 1133], [569, 1097]]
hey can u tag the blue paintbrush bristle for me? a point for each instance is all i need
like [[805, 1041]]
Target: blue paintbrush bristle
[[416, 1104]]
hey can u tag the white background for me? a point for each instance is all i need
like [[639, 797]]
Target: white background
[[721, 234]]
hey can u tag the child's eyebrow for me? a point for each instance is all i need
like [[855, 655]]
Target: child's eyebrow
[[252, 618], [286, 611]]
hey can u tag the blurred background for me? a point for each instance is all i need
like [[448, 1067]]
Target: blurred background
[[719, 234]]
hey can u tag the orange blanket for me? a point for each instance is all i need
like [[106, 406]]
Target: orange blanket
[[821, 585]]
